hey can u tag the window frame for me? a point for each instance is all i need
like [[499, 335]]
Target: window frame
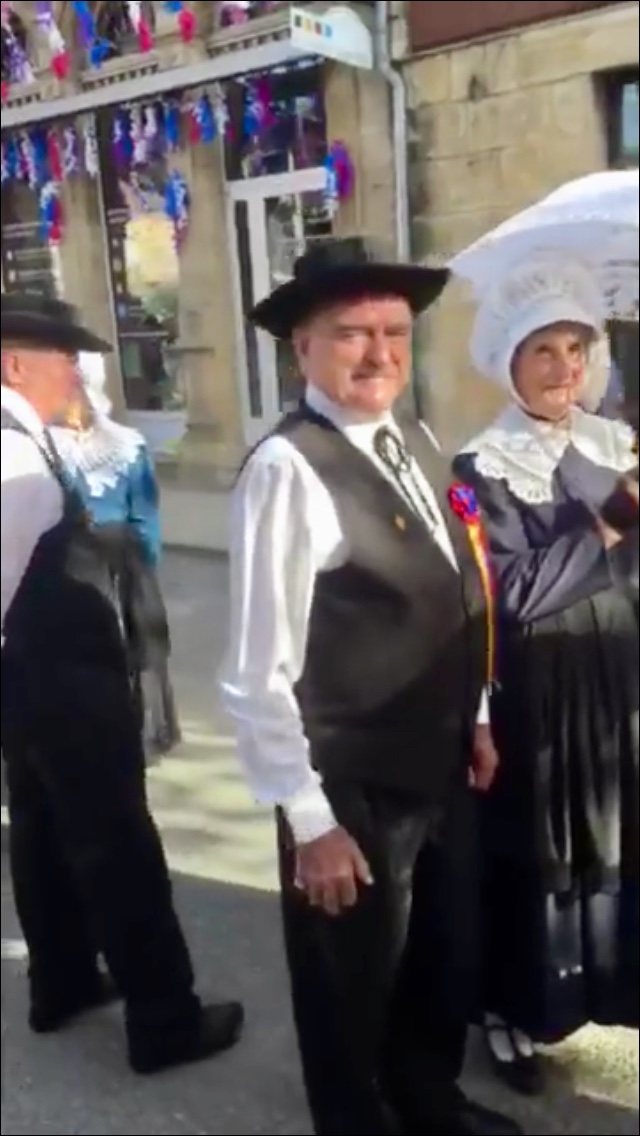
[[615, 85], [624, 336]]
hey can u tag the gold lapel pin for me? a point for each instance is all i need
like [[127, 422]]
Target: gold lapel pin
[[400, 522]]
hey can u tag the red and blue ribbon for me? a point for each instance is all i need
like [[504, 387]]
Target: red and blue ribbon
[[464, 504]]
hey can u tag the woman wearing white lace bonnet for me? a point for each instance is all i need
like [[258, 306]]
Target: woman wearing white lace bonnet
[[114, 475], [560, 506], [110, 462]]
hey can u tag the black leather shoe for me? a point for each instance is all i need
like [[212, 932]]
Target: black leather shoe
[[214, 1030], [524, 1075], [522, 1070], [50, 1013]]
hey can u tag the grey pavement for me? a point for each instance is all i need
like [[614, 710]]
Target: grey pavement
[[222, 852]]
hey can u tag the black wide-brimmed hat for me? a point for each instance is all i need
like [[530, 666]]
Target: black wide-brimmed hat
[[39, 321], [344, 269]]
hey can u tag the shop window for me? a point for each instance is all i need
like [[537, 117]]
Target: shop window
[[621, 114], [29, 262], [145, 277], [277, 122], [624, 396]]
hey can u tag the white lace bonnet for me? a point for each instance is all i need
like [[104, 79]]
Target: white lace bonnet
[[536, 295], [514, 448], [94, 378]]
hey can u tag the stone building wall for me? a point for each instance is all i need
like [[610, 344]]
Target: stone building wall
[[495, 125]]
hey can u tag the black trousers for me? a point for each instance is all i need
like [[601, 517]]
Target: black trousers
[[383, 995], [88, 868]]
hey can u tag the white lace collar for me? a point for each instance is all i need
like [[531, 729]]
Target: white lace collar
[[526, 454], [101, 455]]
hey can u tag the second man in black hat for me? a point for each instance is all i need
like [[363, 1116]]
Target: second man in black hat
[[88, 868]]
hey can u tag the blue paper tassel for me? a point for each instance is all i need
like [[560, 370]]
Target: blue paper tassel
[[12, 155], [208, 125], [48, 211], [331, 183], [172, 124]]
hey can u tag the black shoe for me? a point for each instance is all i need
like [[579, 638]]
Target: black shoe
[[524, 1076], [214, 1030], [523, 1073], [474, 1120], [50, 1013]]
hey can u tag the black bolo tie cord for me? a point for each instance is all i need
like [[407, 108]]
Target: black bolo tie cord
[[392, 451]]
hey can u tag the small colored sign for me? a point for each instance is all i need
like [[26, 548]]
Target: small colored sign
[[340, 34]]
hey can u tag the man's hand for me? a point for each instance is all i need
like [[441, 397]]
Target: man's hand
[[485, 762], [610, 537], [331, 871]]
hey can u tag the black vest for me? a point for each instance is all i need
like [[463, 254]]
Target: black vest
[[397, 650], [63, 611]]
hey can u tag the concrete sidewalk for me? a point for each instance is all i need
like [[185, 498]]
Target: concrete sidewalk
[[221, 849]]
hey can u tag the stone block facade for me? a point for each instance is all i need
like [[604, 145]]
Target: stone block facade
[[496, 124]]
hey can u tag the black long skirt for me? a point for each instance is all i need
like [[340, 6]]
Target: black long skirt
[[561, 826]]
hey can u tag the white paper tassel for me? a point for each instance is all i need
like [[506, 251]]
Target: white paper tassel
[[70, 164], [91, 159], [138, 137]]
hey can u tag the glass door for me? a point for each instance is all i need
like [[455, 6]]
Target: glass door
[[272, 221]]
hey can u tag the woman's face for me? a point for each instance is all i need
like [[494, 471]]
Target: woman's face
[[549, 370], [79, 415]]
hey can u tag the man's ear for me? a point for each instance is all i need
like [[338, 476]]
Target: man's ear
[[299, 342], [10, 369]]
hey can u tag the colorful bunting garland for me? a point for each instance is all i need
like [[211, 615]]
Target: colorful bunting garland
[[98, 49], [44, 158]]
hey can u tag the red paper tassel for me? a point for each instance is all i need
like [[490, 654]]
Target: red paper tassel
[[56, 227], [195, 132], [61, 65], [145, 37], [187, 22], [55, 157]]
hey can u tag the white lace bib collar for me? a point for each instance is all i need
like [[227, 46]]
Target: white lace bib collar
[[526, 453], [102, 455]]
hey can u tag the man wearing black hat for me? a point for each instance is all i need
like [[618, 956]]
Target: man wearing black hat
[[356, 677], [88, 868]]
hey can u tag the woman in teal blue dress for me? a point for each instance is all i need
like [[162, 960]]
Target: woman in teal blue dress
[[114, 473]]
